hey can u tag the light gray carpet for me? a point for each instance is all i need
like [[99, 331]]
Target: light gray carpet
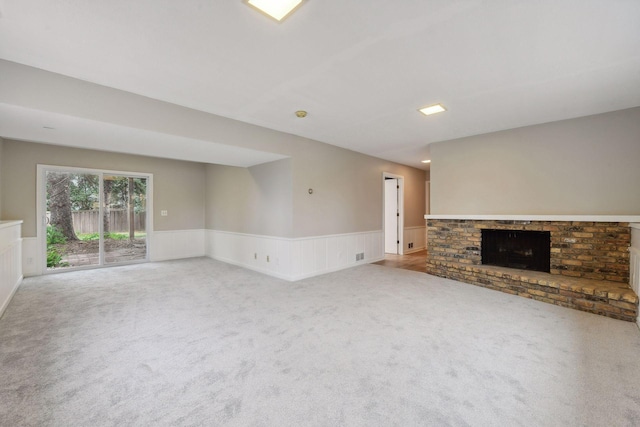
[[199, 342]]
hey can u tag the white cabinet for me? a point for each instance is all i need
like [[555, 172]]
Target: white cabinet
[[10, 261]]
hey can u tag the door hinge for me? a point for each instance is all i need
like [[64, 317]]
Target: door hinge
[[398, 242], [397, 213]]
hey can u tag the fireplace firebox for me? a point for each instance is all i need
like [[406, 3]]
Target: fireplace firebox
[[527, 250]]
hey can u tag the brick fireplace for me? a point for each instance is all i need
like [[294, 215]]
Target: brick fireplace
[[588, 260]]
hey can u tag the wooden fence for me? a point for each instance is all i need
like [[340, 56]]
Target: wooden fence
[[88, 221]]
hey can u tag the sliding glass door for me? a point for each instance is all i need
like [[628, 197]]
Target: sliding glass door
[[124, 220], [72, 219], [92, 218]]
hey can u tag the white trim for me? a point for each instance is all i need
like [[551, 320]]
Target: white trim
[[10, 297], [634, 264], [577, 218], [294, 258], [177, 244], [295, 239], [635, 225], [5, 224], [30, 257], [416, 235], [10, 262], [634, 272]]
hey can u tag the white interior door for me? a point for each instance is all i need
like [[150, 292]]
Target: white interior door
[[391, 216]]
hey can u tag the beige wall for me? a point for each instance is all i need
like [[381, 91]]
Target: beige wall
[[587, 165], [347, 192], [178, 185], [347, 185], [255, 200], [273, 199], [260, 200]]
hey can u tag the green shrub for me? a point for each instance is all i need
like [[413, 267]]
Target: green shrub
[[53, 258], [88, 237], [55, 236], [117, 236], [113, 236]]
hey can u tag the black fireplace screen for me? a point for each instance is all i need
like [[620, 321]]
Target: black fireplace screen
[[527, 250]]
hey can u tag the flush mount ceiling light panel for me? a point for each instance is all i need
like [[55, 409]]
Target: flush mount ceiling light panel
[[276, 9], [432, 109], [426, 161]]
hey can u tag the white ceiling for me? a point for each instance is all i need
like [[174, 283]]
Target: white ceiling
[[361, 69], [26, 124]]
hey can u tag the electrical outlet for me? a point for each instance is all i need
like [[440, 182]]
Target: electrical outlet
[[255, 255], [164, 213], [29, 260], [267, 258]]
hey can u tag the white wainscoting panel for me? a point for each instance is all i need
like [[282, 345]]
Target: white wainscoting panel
[[634, 261], [294, 259], [634, 277], [176, 244], [417, 235], [634, 273], [10, 262], [268, 255], [31, 257]]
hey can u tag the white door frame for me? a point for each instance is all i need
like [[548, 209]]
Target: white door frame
[[400, 179], [41, 212]]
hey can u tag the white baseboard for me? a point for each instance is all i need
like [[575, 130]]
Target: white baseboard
[[176, 244], [294, 259]]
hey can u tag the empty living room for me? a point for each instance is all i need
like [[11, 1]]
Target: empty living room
[[319, 213]]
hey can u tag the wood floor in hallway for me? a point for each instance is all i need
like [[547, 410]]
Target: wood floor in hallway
[[416, 261]]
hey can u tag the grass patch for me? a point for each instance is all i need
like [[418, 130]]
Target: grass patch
[[87, 237]]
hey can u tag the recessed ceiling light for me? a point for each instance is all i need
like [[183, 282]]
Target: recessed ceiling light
[[277, 9], [426, 161], [301, 114], [432, 109]]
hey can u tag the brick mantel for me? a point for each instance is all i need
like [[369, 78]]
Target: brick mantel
[[570, 218], [592, 250], [582, 248]]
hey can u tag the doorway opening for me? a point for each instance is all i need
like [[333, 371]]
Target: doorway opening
[[92, 218], [393, 213]]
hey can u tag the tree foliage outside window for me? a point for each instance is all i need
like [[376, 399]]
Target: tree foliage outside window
[[67, 192]]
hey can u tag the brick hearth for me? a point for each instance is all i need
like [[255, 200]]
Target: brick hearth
[[589, 263]]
